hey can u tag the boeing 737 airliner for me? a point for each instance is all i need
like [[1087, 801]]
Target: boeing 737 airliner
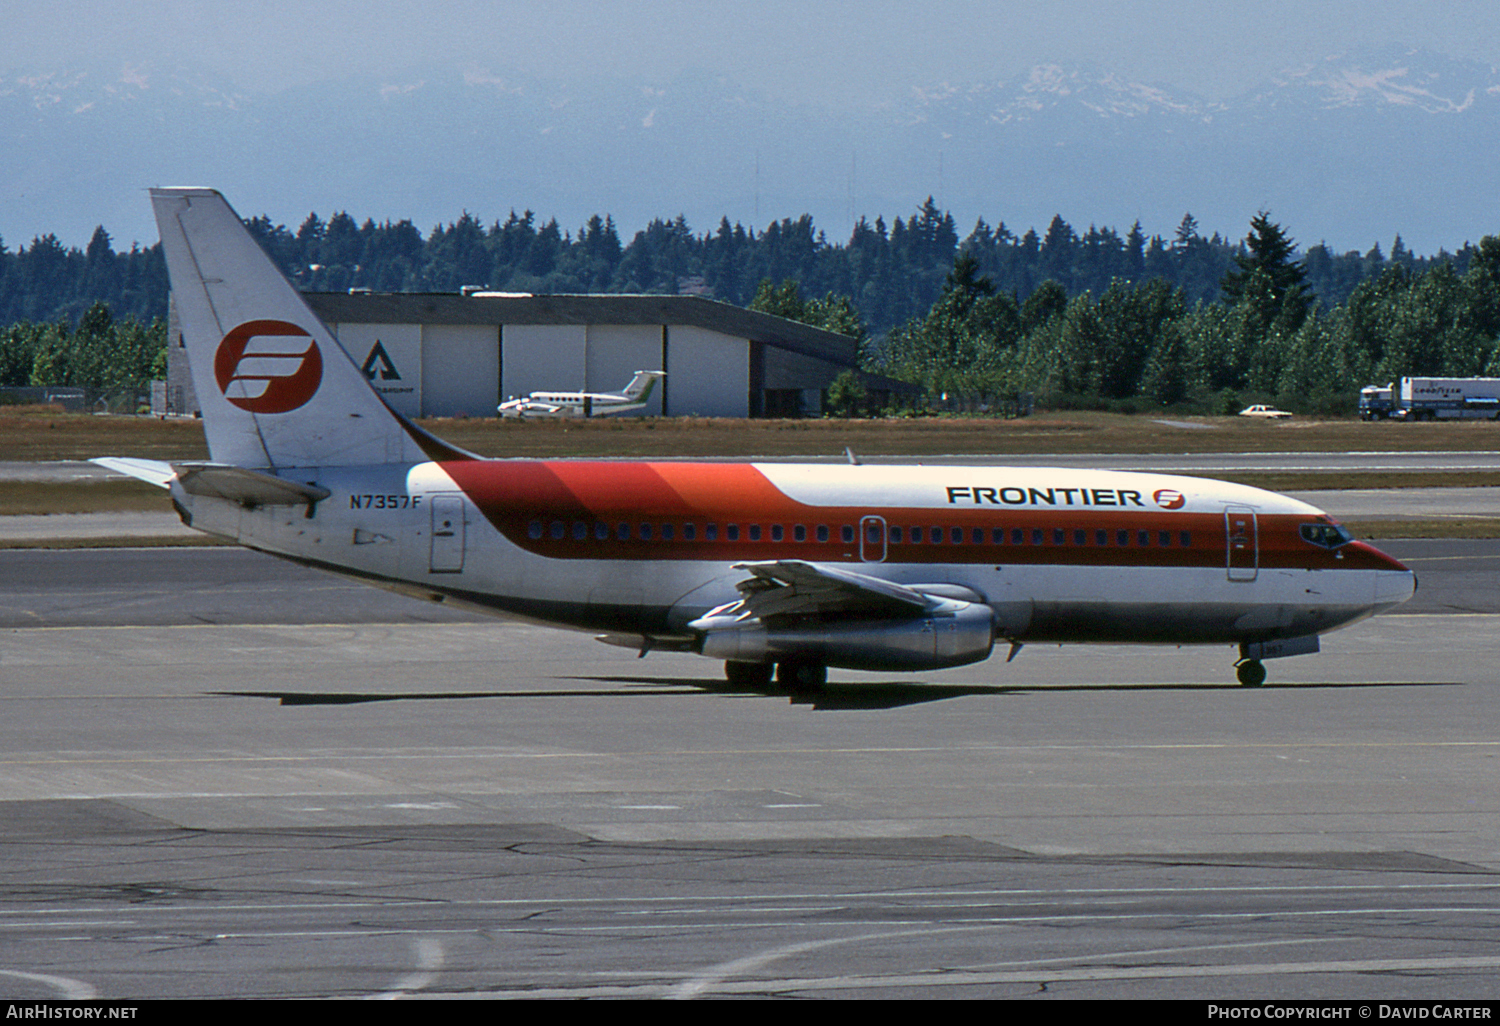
[[772, 568]]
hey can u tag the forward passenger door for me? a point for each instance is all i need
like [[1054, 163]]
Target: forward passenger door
[[1242, 543]]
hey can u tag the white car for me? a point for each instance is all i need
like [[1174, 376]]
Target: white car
[[1270, 412]]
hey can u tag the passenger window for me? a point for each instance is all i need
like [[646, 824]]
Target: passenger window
[[1187, 539], [1080, 537], [622, 532], [896, 536], [710, 532], [601, 531], [667, 532], [1122, 537], [1101, 537], [580, 530], [1036, 536], [1143, 538], [822, 532], [645, 532], [534, 529], [847, 533], [916, 536], [755, 532], [1059, 536], [799, 533], [559, 530], [776, 532], [689, 532], [1164, 538], [732, 532]]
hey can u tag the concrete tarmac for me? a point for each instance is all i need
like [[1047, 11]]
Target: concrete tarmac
[[221, 775]]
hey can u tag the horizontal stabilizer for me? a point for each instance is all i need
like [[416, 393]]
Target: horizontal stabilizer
[[218, 481], [247, 487], [153, 472]]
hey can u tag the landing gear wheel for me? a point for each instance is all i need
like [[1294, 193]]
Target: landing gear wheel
[[748, 675], [1251, 672], [801, 678]]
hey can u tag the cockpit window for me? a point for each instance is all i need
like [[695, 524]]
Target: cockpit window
[[1325, 536]]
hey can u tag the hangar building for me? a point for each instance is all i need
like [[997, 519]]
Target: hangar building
[[446, 354]]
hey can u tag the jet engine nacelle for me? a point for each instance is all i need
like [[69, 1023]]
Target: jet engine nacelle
[[964, 632]]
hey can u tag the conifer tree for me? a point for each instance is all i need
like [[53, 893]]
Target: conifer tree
[[1269, 253]]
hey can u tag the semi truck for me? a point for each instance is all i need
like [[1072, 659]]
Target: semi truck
[[1377, 402], [1432, 399]]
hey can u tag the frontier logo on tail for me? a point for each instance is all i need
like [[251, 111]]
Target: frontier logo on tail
[[268, 366]]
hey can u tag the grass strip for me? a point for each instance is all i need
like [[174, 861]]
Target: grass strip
[[124, 541], [46, 433]]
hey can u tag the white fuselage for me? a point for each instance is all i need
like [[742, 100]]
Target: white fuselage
[[1062, 555]]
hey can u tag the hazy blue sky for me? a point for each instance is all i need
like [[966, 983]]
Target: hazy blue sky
[[829, 51]]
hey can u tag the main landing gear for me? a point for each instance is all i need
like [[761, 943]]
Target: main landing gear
[[748, 675], [1251, 672], [794, 677], [801, 678]]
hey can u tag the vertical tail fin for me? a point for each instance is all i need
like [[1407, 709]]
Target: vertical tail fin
[[275, 388], [639, 389]]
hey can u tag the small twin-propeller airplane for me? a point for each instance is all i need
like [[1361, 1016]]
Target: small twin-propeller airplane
[[772, 568], [585, 404]]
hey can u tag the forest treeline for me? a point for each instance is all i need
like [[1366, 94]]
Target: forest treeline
[[99, 354], [1092, 316], [891, 273], [1147, 345]]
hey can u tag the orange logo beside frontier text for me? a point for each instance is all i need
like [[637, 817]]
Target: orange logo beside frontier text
[[268, 366]]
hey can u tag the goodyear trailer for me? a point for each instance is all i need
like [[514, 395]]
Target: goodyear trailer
[[1432, 399]]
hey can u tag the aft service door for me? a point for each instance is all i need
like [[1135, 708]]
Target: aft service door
[[1242, 543], [447, 535]]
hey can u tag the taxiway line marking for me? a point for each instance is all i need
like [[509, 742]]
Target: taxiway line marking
[[386, 756]]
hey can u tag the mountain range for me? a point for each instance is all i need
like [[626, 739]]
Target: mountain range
[[1351, 150]]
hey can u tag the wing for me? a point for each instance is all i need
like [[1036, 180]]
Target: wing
[[793, 611], [794, 587]]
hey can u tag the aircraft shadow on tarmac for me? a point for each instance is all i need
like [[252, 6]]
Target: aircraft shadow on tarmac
[[835, 695], [895, 693]]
